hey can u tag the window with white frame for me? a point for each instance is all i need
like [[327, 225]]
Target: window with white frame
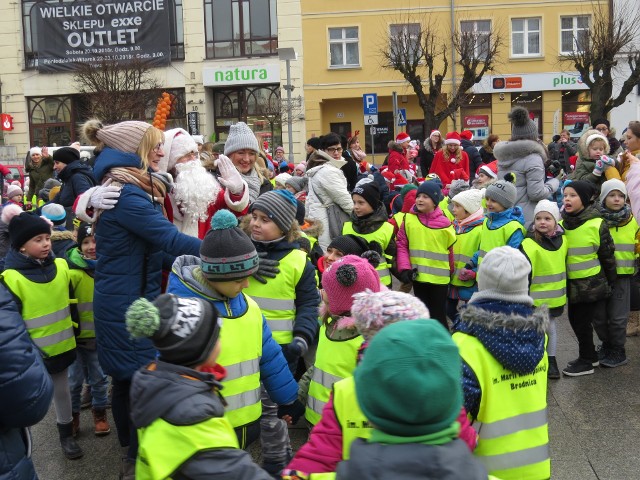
[[476, 37], [404, 41], [574, 33], [344, 47], [525, 36]]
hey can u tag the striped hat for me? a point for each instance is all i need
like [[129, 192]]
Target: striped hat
[[280, 206], [124, 136]]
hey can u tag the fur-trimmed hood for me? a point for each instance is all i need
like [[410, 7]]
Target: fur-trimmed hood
[[393, 146], [312, 228], [583, 150], [509, 153], [319, 158]]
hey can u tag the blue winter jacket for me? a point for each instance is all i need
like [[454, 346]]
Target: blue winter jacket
[[274, 371], [26, 391], [76, 178], [497, 220], [130, 242]]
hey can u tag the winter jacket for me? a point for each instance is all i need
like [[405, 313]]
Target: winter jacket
[[327, 186], [371, 223], [61, 241], [486, 154], [497, 220], [475, 160], [76, 178], [599, 286], [397, 158], [449, 171], [426, 154], [182, 397], [562, 151], [26, 391], [38, 174], [4, 239], [621, 170], [584, 171], [131, 241], [633, 187], [274, 372], [349, 170], [525, 158]]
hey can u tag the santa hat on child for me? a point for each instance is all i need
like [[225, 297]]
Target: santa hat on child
[[403, 137], [489, 169]]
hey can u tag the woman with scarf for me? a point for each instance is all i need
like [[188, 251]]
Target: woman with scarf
[[132, 240]]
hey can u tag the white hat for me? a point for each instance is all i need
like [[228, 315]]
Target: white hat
[[471, 200], [611, 185], [14, 190], [177, 143], [199, 139], [35, 150], [282, 178], [547, 206]]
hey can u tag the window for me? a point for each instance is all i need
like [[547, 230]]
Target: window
[[525, 36], [475, 37], [240, 28], [574, 33], [405, 41], [344, 47]]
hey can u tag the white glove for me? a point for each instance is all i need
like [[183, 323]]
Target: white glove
[[230, 177], [104, 197]]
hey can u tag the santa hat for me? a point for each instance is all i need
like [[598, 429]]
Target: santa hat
[[177, 143], [466, 135], [490, 169], [435, 132], [403, 137], [453, 138]]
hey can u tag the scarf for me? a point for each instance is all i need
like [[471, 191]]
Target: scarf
[[615, 219], [254, 182], [476, 217], [152, 185], [358, 155]]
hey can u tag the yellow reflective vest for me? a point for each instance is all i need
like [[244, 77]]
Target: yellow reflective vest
[[352, 421], [624, 238], [83, 285], [335, 360], [277, 298], [548, 273], [582, 256], [429, 250], [444, 206], [498, 237], [45, 309], [467, 243], [383, 236], [513, 434], [165, 447]]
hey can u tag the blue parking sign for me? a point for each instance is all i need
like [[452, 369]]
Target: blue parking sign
[[370, 103]]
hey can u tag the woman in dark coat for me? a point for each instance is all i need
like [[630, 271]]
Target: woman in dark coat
[[76, 178], [429, 149]]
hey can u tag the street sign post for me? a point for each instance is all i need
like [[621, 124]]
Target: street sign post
[[402, 117], [370, 108]]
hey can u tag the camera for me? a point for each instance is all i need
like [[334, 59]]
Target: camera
[[555, 167]]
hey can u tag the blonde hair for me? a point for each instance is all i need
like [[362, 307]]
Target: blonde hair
[[447, 153], [150, 139]]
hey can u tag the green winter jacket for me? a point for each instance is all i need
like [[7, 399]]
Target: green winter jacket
[[38, 174]]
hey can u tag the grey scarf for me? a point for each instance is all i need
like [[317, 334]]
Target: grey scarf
[[254, 182]]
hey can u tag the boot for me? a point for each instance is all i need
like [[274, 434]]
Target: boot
[[100, 421], [127, 466], [76, 423], [633, 324], [69, 445], [554, 371]]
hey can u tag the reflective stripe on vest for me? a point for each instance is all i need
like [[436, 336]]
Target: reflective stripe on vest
[[513, 435], [164, 447], [83, 285], [241, 350], [498, 237], [352, 421], [277, 297], [432, 264], [467, 243], [45, 309], [548, 273], [335, 360], [582, 260], [624, 238], [382, 236]]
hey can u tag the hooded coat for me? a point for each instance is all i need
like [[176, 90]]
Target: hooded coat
[[397, 158], [76, 178], [38, 174]]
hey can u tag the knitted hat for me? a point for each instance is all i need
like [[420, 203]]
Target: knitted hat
[[35, 151], [124, 136], [46, 188], [490, 169], [184, 330], [66, 155], [314, 142], [549, 207], [452, 138], [346, 276], [470, 200], [458, 186], [504, 275], [24, 227], [408, 383], [14, 190], [279, 149], [283, 166], [466, 135], [606, 188], [84, 230], [227, 253], [503, 191], [54, 212], [350, 244], [240, 137], [301, 167], [373, 311], [282, 178], [407, 188], [177, 143], [585, 190], [199, 139], [279, 205], [597, 136], [432, 189], [370, 192], [522, 127], [403, 137], [298, 183]]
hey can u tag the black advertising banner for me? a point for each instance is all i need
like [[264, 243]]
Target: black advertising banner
[[193, 122], [89, 31]]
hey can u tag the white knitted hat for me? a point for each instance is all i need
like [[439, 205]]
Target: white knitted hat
[[611, 185], [14, 190], [282, 178], [240, 137], [35, 150], [547, 206], [177, 143], [471, 200]]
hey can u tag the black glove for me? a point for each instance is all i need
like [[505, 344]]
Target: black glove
[[294, 350], [295, 410], [406, 276], [266, 268]]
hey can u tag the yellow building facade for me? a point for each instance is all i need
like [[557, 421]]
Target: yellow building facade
[[345, 42]]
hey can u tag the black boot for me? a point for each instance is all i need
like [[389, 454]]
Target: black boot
[[70, 447], [553, 371]]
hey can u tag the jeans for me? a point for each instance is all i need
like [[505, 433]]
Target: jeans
[[87, 366]]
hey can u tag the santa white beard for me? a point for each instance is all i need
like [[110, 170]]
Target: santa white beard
[[194, 190]]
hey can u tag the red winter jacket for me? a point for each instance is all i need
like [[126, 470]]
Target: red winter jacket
[[449, 171]]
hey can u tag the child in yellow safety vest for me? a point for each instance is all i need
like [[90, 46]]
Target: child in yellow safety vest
[[41, 284], [612, 329], [176, 404], [546, 246], [425, 250]]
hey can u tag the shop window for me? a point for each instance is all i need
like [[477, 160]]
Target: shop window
[[475, 115], [29, 29], [341, 128], [51, 120], [532, 101], [344, 47], [576, 108], [415, 129], [525, 37], [240, 28], [384, 133], [477, 35], [574, 33], [405, 40]]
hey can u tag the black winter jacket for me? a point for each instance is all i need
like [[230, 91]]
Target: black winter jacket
[[76, 178], [475, 160]]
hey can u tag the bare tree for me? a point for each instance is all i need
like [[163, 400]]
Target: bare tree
[[117, 91], [421, 54], [611, 37]]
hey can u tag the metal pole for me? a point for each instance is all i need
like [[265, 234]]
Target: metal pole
[[373, 149], [394, 98], [289, 119], [453, 63]]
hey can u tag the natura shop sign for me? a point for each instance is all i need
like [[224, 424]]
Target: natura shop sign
[[241, 75], [89, 31]]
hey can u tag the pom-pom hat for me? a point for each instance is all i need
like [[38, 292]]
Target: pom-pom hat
[[522, 127], [403, 137], [489, 169], [347, 276], [503, 191], [452, 138]]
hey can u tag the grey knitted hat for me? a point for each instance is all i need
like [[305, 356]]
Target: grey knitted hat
[[458, 186], [124, 136], [279, 205], [240, 137], [503, 191], [299, 183], [504, 275], [227, 253], [522, 127]]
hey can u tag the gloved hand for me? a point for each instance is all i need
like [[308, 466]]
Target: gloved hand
[[104, 197], [230, 177], [602, 164], [294, 350], [266, 268], [466, 274], [407, 276], [293, 412], [560, 175]]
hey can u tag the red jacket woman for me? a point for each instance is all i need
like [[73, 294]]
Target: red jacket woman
[[451, 163]]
